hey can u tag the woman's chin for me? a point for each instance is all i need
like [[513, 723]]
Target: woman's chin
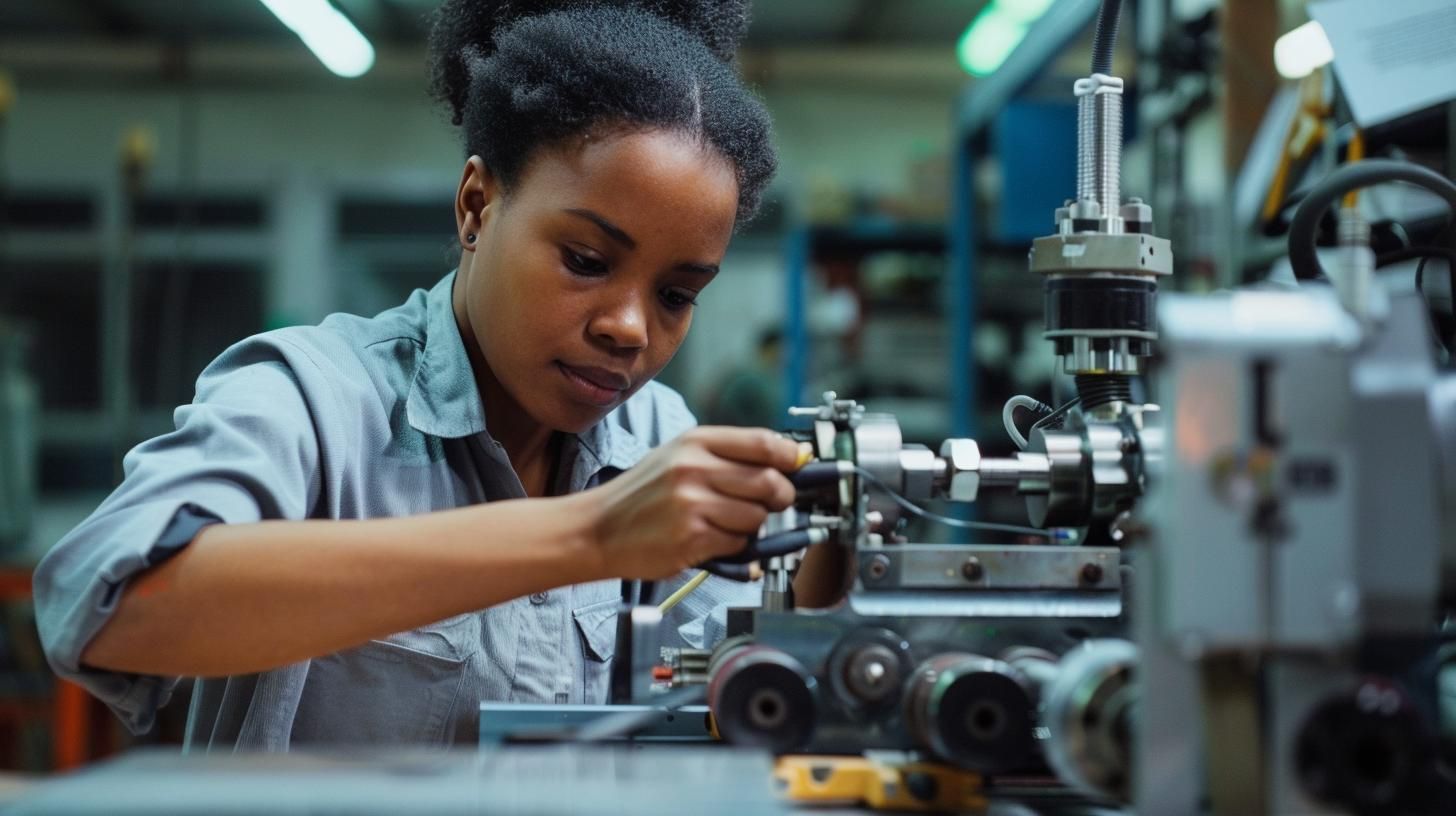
[[576, 419]]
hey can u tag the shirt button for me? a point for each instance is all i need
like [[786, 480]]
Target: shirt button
[[538, 598]]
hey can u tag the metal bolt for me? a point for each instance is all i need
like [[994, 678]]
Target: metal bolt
[[874, 673], [877, 567], [972, 569], [1091, 573]]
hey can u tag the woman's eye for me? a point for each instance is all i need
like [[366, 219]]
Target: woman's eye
[[678, 299], [583, 265]]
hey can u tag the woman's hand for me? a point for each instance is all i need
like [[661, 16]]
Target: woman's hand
[[694, 499]]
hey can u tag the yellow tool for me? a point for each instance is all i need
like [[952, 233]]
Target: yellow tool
[[1306, 133], [856, 780]]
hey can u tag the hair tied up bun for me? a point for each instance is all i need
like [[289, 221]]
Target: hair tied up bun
[[517, 75]]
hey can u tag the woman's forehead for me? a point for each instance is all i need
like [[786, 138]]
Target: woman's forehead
[[637, 176]]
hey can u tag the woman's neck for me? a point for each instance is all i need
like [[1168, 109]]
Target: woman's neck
[[531, 446], [528, 443]]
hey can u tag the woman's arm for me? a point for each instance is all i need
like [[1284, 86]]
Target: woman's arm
[[244, 598], [822, 577]]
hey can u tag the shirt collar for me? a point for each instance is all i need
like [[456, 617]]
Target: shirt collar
[[611, 445], [444, 400]]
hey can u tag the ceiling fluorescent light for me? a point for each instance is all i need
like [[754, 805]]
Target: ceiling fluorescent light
[[327, 33], [1024, 11], [1302, 50], [989, 40]]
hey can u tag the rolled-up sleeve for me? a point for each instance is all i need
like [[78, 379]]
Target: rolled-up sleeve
[[246, 449]]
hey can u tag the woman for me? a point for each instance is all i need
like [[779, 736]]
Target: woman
[[319, 536]]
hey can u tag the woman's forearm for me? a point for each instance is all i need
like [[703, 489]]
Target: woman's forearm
[[822, 577], [250, 597]]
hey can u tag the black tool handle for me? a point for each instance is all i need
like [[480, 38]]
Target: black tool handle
[[735, 567]]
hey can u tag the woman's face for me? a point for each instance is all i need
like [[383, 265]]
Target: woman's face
[[581, 283]]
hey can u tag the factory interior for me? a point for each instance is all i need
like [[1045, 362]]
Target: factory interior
[[1105, 352]]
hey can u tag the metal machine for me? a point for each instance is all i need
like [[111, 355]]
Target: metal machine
[[1241, 606]]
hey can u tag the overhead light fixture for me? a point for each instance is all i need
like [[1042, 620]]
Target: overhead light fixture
[[340, 46], [1298, 53], [1025, 11], [995, 33], [989, 40]]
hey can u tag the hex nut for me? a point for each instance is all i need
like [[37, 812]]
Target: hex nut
[[963, 461], [917, 468]]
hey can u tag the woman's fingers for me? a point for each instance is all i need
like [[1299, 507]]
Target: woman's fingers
[[761, 485]]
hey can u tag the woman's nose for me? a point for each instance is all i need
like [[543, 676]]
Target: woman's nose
[[623, 325]]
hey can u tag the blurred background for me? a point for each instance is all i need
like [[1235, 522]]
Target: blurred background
[[175, 176]]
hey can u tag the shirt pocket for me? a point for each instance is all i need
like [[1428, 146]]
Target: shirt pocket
[[596, 623], [402, 689]]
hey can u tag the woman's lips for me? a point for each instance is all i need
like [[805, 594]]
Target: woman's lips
[[596, 386]]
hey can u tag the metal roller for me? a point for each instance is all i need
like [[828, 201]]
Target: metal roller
[[1088, 709], [868, 669], [972, 711], [762, 697]]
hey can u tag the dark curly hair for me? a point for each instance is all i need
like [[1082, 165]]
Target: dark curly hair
[[519, 75]]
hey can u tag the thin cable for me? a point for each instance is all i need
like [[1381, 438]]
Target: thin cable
[[917, 510], [682, 592], [1008, 416], [1057, 414]]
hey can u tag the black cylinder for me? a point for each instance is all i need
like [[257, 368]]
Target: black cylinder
[[762, 697], [1101, 304], [972, 711], [1368, 751]]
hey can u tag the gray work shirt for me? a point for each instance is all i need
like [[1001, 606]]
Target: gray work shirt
[[356, 418]]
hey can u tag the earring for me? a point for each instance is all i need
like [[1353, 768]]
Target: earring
[[470, 238]]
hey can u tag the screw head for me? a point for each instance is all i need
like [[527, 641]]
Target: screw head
[[972, 569], [1091, 573], [877, 567]]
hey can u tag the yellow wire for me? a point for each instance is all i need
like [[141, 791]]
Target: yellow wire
[[1355, 152], [682, 592]]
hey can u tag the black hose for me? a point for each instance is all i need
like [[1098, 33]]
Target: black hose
[[1106, 37], [1304, 230], [1413, 252], [1096, 390]]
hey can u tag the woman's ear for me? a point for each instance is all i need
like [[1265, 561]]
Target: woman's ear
[[474, 200]]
